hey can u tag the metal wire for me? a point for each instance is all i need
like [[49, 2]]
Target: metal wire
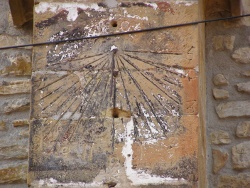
[[124, 33]]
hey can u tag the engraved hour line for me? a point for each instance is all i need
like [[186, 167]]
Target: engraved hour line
[[128, 61], [167, 111], [62, 114], [113, 93], [80, 118], [62, 77], [73, 102], [62, 94], [68, 58], [136, 133], [66, 61], [154, 52], [124, 87], [143, 117], [162, 66], [144, 97], [90, 95], [58, 87]]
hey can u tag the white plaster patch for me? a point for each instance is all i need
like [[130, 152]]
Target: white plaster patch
[[186, 3], [53, 183], [42, 7], [196, 68], [113, 47], [126, 14], [139, 177], [154, 5]]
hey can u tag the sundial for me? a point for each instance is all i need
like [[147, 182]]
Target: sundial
[[95, 99]]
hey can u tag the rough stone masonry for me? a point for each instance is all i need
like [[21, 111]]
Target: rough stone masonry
[[114, 111], [227, 62], [15, 87]]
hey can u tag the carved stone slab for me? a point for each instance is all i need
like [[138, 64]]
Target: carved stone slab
[[119, 107]]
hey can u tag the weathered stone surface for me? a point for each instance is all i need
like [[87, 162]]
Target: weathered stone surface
[[24, 133], [15, 87], [219, 160], [220, 137], [244, 87], [16, 105], [241, 180], [245, 8], [7, 40], [13, 152], [148, 75], [233, 109], [242, 55], [220, 80], [246, 73], [21, 123], [220, 93], [14, 174], [3, 17], [20, 67], [154, 154], [2, 126], [222, 42], [241, 155], [243, 129]]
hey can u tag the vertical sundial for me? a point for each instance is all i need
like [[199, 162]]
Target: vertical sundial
[[99, 103]]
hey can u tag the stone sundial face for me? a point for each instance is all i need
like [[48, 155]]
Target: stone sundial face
[[92, 97]]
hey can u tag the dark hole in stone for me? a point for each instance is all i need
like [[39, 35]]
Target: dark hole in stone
[[129, 155], [118, 113], [113, 23], [115, 113], [115, 73]]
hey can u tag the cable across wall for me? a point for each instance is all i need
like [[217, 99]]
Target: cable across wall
[[125, 33]]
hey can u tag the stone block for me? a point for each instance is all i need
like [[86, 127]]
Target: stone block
[[21, 11], [21, 123], [241, 180], [3, 17], [241, 55], [20, 67], [233, 109], [220, 80], [246, 8], [223, 42], [220, 93], [2, 125], [7, 40], [243, 129], [236, 7], [16, 105], [14, 174], [15, 87], [95, 102], [241, 156], [246, 73], [220, 137], [219, 160], [14, 152], [244, 87], [24, 133]]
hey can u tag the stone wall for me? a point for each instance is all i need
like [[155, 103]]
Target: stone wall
[[15, 71], [117, 110], [228, 88], [228, 104]]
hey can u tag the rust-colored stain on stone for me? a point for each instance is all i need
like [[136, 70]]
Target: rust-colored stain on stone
[[128, 101]]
